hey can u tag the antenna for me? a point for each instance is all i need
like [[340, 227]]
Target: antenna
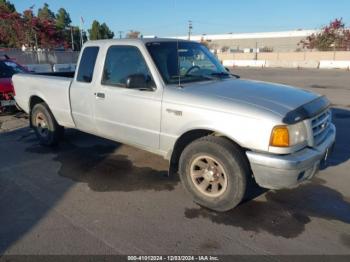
[[177, 52], [178, 62]]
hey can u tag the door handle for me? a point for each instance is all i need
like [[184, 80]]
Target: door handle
[[100, 95]]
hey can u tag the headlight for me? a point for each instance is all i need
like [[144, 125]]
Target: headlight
[[288, 136]]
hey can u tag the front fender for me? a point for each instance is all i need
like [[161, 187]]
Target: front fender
[[250, 133]]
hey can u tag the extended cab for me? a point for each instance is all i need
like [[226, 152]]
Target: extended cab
[[175, 99]]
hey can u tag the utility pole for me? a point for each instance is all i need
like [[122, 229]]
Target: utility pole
[[256, 50], [81, 31], [36, 47], [190, 27], [120, 34], [81, 39], [36, 40], [72, 37]]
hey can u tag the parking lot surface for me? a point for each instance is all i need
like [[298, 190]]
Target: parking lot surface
[[93, 196]]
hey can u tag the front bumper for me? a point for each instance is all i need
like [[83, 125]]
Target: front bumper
[[7, 100], [287, 171]]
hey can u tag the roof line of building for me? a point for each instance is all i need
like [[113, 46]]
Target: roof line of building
[[282, 34]]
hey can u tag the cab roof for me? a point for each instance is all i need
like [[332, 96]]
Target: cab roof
[[138, 40]]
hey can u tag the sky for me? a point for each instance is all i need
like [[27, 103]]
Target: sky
[[170, 17]]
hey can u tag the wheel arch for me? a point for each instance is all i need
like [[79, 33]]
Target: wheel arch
[[188, 137], [34, 100]]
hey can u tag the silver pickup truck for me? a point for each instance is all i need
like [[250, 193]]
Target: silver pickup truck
[[175, 99]]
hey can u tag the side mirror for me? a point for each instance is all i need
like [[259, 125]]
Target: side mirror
[[140, 82]]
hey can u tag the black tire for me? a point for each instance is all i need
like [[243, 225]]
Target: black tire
[[49, 134], [232, 161]]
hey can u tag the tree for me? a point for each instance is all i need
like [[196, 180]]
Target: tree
[[94, 32], [10, 27], [332, 37], [63, 23], [29, 25], [8, 5], [63, 19], [40, 32], [46, 13], [99, 31], [133, 34], [106, 32], [47, 34]]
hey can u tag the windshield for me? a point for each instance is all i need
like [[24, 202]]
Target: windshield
[[9, 68], [189, 61]]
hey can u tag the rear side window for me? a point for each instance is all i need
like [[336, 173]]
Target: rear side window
[[87, 64]]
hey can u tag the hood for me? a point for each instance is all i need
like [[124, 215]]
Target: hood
[[277, 98], [6, 85]]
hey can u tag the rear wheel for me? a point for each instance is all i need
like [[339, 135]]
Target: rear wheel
[[215, 172], [46, 128]]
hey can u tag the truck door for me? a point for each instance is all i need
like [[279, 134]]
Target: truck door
[[125, 114], [82, 91]]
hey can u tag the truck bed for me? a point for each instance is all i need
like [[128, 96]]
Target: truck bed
[[53, 89]]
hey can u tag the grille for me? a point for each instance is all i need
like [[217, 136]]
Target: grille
[[320, 126]]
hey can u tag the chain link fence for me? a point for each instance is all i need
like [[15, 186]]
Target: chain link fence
[[41, 57]]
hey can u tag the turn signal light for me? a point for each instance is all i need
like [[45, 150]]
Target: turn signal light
[[280, 137]]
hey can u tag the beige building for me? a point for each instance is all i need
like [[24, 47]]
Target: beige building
[[286, 41]]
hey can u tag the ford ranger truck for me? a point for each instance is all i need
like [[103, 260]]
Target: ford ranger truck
[[175, 99]]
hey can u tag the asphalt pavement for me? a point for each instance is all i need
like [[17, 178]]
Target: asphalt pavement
[[94, 196]]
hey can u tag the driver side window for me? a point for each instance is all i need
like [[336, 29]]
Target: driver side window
[[121, 63]]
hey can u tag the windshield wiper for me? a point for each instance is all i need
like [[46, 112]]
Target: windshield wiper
[[196, 77], [201, 77], [219, 74], [224, 74]]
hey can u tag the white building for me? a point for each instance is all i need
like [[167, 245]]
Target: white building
[[273, 41]]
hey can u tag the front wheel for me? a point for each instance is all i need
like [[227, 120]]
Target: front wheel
[[46, 128], [215, 172]]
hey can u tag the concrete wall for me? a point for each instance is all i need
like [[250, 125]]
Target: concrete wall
[[289, 56], [323, 60]]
